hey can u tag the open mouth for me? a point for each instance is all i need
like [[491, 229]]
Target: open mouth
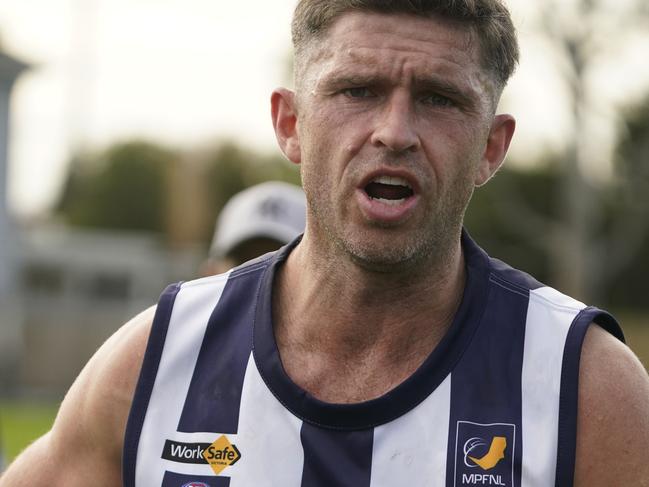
[[388, 189]]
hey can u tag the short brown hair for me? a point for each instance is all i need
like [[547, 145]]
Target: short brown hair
[[489, 19]]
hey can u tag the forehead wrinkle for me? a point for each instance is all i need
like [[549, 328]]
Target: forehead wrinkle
[[356, 64], [442, 60], [449, 41], [438, 30]]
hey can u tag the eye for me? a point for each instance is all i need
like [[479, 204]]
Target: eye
[[438, 100], [358, 92]]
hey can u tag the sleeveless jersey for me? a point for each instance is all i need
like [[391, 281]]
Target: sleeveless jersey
[[495, 403]]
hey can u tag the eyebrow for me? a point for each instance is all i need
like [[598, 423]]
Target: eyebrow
[[335, 80], [439, 85], [429, 84]]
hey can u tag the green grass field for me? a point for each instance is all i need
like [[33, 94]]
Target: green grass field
[[23, 422]]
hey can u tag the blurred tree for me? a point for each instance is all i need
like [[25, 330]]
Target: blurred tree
[[141, 186], [619, 243], [628, 260], [231, 168], [503, 225], [121, 188], [585, 33]]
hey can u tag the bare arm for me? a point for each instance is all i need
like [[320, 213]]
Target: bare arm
[[84, 446], [613, 418]]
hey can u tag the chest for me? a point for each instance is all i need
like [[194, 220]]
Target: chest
[[215, 406]]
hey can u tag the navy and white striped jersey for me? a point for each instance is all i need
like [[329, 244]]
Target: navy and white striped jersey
[[494, 404]]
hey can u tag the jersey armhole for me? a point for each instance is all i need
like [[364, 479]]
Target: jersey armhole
[[146, 381], [569, 392]]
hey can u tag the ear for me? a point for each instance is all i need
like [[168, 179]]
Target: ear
[[284, 113], [500, 135]]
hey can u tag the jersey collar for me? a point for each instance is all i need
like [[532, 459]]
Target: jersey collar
[[403, 397]]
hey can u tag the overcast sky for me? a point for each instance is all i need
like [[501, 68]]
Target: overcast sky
[[186, 72]]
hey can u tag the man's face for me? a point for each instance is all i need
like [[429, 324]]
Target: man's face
[[393, 118]]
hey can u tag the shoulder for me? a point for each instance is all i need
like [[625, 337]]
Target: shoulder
[[98, 403], [613, 414]]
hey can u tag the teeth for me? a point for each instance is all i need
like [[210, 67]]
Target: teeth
[[394, 181], [389, 202]]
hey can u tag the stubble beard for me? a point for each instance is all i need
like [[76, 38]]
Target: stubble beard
[[424, 249]]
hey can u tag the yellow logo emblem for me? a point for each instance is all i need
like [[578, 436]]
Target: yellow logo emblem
[[221, 454], [495, 454]]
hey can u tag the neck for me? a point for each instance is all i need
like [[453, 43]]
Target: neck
[[344, 317]]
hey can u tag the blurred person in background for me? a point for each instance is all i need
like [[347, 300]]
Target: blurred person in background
[[255, 221], [384, 347]]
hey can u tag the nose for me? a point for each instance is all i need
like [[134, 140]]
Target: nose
[[395, 128]]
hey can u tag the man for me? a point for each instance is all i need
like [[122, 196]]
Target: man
[[398, 352], [255, 221]]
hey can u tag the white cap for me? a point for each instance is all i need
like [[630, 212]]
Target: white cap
[[273, 209]]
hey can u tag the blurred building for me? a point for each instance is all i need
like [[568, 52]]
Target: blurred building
[[63, 291], [10, 331], [78, 287]]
